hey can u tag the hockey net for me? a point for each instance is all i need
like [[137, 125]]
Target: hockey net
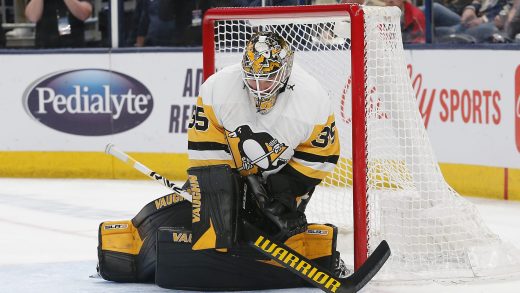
[[400, 193]]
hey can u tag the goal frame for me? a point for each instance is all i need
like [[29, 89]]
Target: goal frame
[[358, 64]]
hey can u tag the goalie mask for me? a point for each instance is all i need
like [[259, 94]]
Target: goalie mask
[[266, 67]]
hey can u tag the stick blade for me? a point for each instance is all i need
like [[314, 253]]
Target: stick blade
[[368, 270]]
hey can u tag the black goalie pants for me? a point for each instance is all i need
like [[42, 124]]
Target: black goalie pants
[[239, 268]]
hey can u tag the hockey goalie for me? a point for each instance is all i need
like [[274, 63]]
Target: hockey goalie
[[262, 136]]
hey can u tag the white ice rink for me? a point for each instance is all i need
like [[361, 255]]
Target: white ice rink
[[49, 228]]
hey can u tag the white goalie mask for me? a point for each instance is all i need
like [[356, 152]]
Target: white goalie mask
[[266, 66]]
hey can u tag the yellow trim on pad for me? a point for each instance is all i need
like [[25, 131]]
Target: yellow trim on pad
[[120, 236]]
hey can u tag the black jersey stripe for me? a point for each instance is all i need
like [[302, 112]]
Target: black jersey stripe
[[301, 177], [207, 146], [315, 158]]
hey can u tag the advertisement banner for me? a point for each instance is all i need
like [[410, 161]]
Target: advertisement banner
[[73, 102], [468, 102], [143, 101]]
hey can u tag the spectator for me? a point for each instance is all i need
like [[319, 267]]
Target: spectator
[[456, 6], [151, 30], [444, 19], [245, 3], [513, 24], [412, 21], [128, 20], [478, 18], [361, 2], [477, 21], [187, 16], [443, 16], [508, 20], [482, 11], [59, 23], [2, 36], [2, 33]]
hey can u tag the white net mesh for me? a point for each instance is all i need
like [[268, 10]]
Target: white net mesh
[[432, 231]]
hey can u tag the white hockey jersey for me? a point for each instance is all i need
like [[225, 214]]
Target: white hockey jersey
[[298, 133]]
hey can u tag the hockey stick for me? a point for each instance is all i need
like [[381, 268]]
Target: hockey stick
[[111, 149], [279, 252]]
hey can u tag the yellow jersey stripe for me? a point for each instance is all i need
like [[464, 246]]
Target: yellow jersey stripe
[[330, 141], [307, 171], [201, 163]]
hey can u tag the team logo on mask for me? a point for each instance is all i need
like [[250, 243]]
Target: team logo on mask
[[255, 152], [266, 53]]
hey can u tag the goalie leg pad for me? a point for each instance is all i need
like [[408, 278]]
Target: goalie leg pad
[[216, 192], [126, 249], [119, 243], [168, 210]]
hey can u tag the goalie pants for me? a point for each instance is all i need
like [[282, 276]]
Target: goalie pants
[[180, 267]]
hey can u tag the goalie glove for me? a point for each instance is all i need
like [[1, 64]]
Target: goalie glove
[[288, 221], [257, 189]]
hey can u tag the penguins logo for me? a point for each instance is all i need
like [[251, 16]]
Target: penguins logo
[[255, 152]]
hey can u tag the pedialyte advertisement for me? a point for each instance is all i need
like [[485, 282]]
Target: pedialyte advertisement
[[88, 102]]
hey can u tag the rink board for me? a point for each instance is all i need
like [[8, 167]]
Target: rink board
[[482, 181], [473, 120]]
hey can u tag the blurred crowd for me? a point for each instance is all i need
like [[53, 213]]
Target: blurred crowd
[[462, 21], [64, 23]]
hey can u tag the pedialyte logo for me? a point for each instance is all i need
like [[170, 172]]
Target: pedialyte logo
[[90, 102]]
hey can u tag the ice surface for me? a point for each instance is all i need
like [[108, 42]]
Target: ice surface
[[49, 228]]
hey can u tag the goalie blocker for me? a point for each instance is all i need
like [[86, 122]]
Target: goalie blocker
[[198, 246]]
